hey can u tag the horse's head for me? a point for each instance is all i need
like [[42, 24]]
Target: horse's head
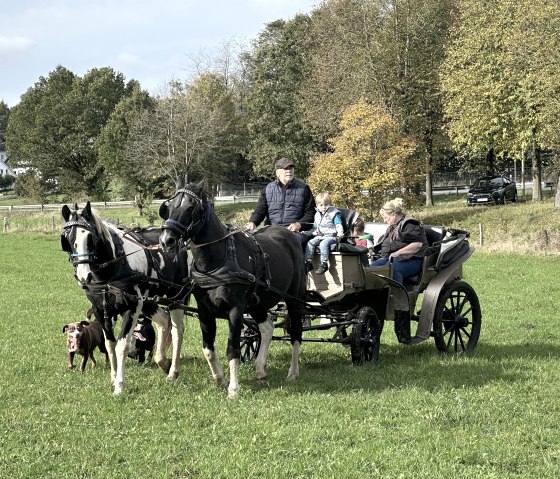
[[184, 215], [80, 239]]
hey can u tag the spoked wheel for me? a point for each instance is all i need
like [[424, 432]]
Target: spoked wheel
[[365, 336], [250, 340], [457, 319]]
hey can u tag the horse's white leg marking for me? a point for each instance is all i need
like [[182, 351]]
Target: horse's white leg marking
[[293, 373], [267, 329], [123, 345], [233, 389], [177, 334], [215, 367], [121, 354], [110, 346], [163, 323]]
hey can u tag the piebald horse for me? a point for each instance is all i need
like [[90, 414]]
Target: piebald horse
[[118, 269], [235, 273]]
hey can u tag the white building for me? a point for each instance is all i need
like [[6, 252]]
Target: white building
[[4, 168]]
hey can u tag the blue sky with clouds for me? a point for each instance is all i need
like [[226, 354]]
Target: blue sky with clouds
[[150, 41]]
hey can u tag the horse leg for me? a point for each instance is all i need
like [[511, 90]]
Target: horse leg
[[208, 329], [163, 324], [295, 316], [177, 335], [123, 345], [266, 328], [234, 348]]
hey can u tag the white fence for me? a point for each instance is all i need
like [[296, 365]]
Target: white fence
[[105, 205]]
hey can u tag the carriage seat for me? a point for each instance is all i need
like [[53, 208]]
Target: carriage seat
[[434, 235]]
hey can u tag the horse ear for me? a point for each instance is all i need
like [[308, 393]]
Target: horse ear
[[86, 212], [164, 210], [66, 212]]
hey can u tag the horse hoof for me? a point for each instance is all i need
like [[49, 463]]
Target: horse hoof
[[118, 389], [233, 394], [292, 377], [261, 379], [172, 376], [165, 366]]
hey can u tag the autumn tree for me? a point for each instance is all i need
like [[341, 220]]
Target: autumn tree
[[389, 51], [500, 80], [370, 161]]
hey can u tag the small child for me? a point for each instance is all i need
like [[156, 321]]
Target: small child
[[361, 238], [327, 227]]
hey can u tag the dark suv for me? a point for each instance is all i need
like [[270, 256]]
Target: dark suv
[[492, 189]]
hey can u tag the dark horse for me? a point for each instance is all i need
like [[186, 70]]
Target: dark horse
[[235, 272], [118, 269]]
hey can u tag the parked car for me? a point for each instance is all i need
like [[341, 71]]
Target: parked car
[[492, 189]]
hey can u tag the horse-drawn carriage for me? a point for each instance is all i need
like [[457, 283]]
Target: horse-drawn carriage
[[258, 282], [356, 300]]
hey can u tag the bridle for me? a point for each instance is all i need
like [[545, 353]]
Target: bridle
[[198, 220], [88, 257]]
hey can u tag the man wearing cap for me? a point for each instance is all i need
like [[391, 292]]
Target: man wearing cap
[[285, 201]]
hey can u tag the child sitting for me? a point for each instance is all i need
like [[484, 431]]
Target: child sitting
[[327, 227], [361, 238]]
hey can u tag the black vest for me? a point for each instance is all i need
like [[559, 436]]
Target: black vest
[[285, 206]]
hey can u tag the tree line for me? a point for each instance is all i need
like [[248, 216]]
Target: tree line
[[366, 96]]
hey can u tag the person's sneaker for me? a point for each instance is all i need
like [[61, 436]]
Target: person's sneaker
[[308, 266], [323, 268]]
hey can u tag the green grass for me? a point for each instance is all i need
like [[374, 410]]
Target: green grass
[[415, 414]]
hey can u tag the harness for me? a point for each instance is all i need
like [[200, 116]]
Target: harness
[[229, 272]]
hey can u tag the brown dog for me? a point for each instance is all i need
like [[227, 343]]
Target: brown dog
[[83, 337]]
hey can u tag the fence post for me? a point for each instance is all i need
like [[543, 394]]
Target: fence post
[[53, 222], [481, 234], [6, 224]]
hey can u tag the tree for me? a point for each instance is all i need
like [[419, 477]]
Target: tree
[[4, 116], [370, 161], [275, 69], [194, 131], [500, 79], [56, 126], [389, 51]]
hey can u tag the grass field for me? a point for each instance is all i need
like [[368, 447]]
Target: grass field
[[415, 414]]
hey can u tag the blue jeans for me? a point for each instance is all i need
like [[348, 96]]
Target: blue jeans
[[401, 268], [324, 244]]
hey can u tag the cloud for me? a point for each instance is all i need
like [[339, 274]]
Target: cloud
[[15, 45]]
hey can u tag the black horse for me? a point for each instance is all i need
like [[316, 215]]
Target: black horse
[[118, 269], [236, 273]]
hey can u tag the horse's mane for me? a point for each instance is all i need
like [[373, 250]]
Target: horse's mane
[[101, 226]]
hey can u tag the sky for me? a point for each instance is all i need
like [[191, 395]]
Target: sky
[[152, 41]]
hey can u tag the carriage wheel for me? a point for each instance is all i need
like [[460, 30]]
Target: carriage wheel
[[365, 336], [457, 319], [250, 340]]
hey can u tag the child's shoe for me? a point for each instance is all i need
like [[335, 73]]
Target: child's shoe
[[308, 266], [323, 268]]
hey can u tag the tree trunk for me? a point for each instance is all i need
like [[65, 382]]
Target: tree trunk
[[557, 197], [429, 163], [490, 162], [537, 174]]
